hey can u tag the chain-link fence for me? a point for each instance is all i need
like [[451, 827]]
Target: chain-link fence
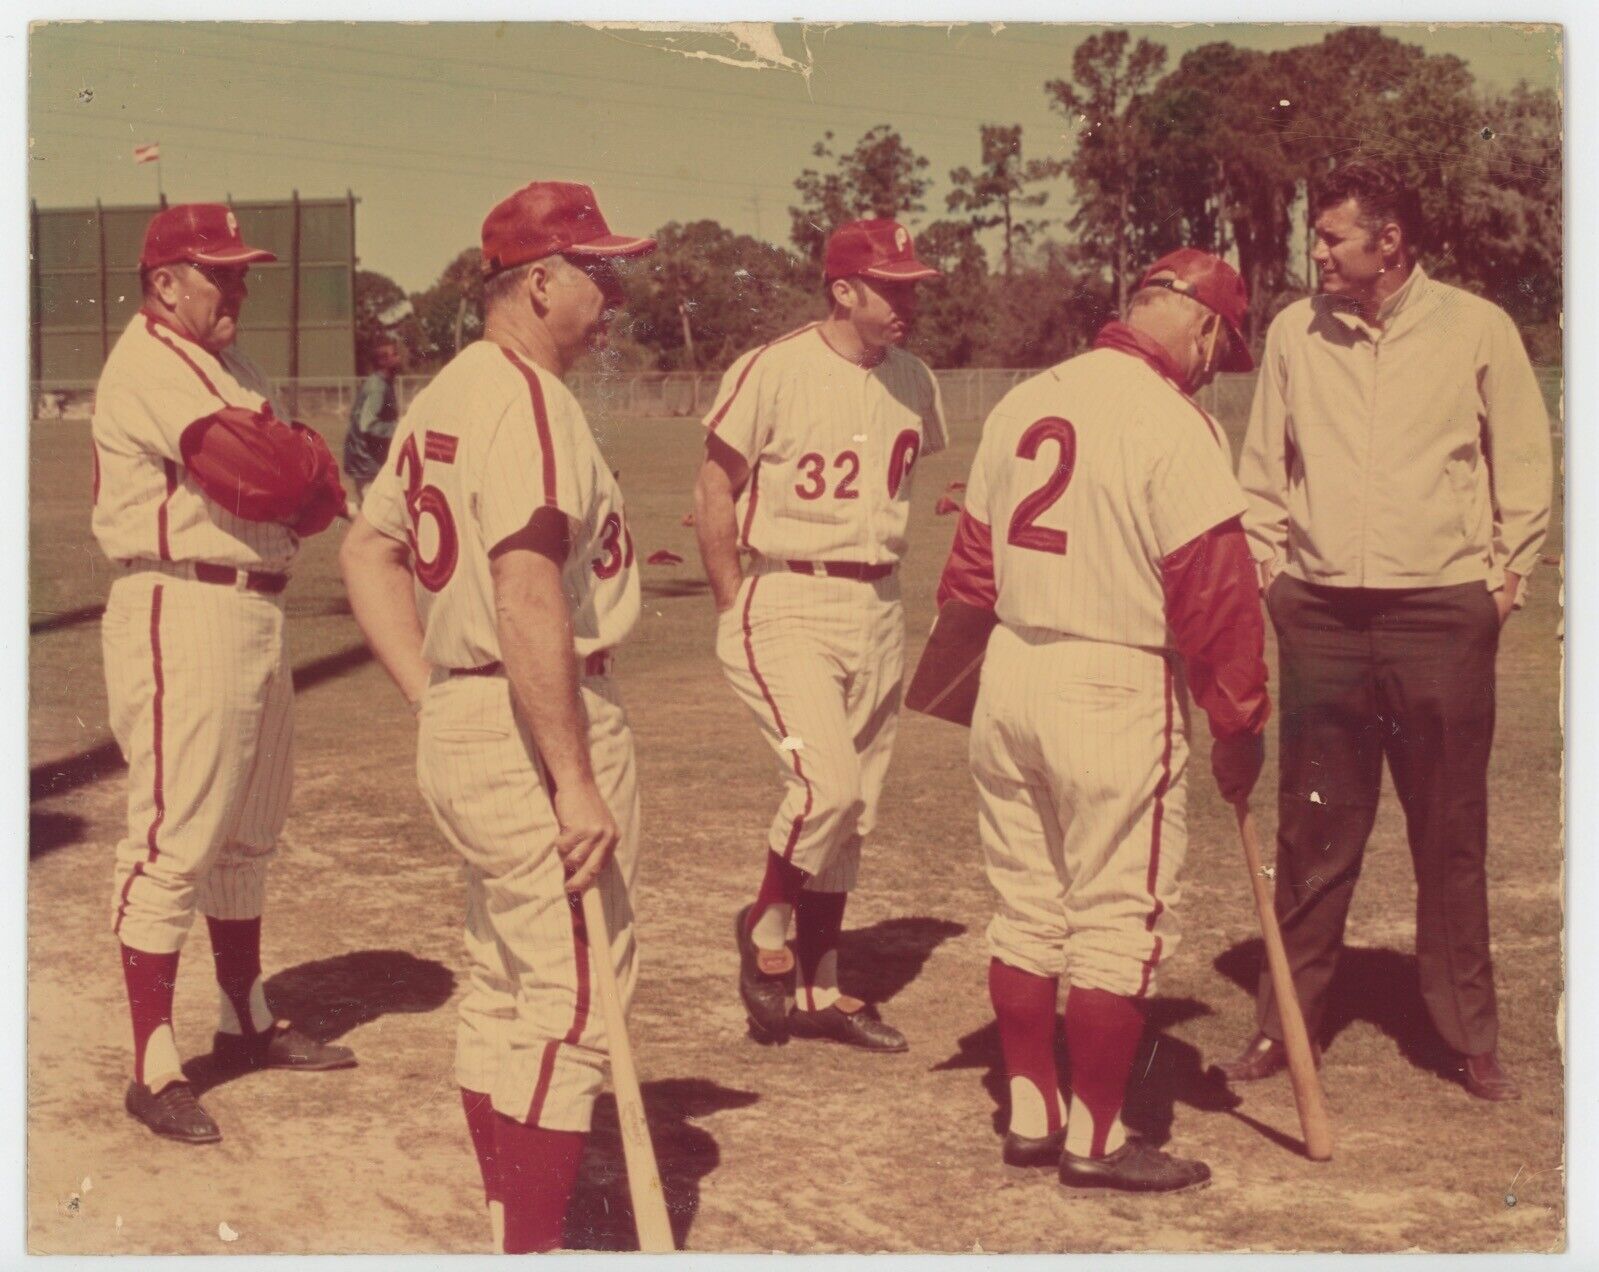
[[969, 394]]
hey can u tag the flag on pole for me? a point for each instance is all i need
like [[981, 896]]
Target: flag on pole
[[147, 154]]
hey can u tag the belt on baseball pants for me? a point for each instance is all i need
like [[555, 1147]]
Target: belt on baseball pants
[[855, 570], [596, 664], [221, 575]]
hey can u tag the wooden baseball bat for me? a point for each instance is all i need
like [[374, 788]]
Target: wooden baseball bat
[[643, 1176], [1313, 1118]]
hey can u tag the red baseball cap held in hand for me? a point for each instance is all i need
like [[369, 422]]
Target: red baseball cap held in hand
[[200, 233], [879, 249], [549, 218], [1216, 285]]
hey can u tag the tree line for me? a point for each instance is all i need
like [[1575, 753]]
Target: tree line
[[1218, 152]]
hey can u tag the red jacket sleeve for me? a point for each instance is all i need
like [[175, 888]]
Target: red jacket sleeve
[[261, 469], [1213, 608], [969, 572]]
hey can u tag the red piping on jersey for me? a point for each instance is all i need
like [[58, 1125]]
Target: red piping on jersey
[[157, 713], [1136, 344], [749, 366], [777, 719], [162, 542], [94, 457], [1159, 815], [150, 323], [541, 421], [755, 495], [580, 1010]]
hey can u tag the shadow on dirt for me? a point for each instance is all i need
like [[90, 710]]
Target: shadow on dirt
[[1166, 1072], [331, 996], [1378, 986], [601, 1214], [59, 777], [670, 589], [876, 962], [49, 831]]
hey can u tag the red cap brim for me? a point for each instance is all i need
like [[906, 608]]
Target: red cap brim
[[231, 256], [902, 272], [612, 245]]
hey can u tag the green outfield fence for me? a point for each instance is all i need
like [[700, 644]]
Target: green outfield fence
[[969, 394]]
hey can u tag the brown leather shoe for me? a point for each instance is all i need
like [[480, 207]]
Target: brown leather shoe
[[172, 1112], [1263, 1058], [1484, 1078]]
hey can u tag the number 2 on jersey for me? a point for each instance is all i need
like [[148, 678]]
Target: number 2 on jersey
[[1024, 530], [427, 501]]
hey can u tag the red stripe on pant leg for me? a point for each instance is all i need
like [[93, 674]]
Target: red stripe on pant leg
[[777, 719], [157, 709], [580, 1011], [1158, 817]]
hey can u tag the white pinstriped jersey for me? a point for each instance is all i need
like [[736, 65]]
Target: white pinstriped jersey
[[1088, 475], [831, 447], [155, 384], [491, 440]]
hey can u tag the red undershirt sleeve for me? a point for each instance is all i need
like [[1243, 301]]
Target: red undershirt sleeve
[[259, 468], [1213, 609], [969, 572]]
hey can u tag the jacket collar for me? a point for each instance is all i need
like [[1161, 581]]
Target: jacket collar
[[1125, 339]]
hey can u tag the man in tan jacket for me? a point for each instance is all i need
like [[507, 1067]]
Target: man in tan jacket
[[1398, 472]]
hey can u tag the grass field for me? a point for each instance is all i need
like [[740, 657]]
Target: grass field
[[803, 1148]]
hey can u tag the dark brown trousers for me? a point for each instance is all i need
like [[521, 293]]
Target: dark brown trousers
[[1407, 675]]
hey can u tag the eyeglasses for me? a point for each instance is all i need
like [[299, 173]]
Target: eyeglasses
[[222, 277]]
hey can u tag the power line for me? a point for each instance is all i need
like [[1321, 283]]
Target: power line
[[784, 116], [520, 165]]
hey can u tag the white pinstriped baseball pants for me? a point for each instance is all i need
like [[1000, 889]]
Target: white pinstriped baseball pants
[[531, 1033], [1079, 751], [819, 662], [202, 704]]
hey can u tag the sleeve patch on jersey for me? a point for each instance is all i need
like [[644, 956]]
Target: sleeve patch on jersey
[[440, 446]]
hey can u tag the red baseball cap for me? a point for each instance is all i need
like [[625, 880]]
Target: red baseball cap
[[878, 249], [1216, 285], [200, 233], [547, 218]]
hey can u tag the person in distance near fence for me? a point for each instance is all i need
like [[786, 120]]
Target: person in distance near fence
[[1398, 471], [492, 570], [810, 449], [373, 415], [202, 493], [1102, 529]]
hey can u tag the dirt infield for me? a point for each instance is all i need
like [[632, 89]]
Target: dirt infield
[[800, 1148]]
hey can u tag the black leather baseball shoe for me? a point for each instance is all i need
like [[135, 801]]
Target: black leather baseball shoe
[[280, 1047], [1134, 1167], [767, 998], [864, 1028], [172, 1113], [1028, 1150]]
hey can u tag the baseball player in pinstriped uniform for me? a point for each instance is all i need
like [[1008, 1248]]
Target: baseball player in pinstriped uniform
[[201, 495], [812, 443], [1102, 526], [497, 500]]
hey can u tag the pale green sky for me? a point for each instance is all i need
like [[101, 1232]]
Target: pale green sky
[[430, 124]]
